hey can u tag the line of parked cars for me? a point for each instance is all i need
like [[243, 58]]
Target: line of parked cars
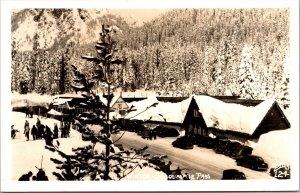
[[222, 145]]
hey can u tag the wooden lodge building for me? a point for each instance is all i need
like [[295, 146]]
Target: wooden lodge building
[[77, 104], [264, 118], [227, 116], [234, 118], [74, 104]]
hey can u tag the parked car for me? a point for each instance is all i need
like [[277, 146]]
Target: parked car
[[253, 162], [183, 143], [233, 149], [204, 141], [221, 145], [246, 150], [233, 174], [166, 132]]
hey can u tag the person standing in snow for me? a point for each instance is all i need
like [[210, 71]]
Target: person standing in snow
[[55, 131], [26, 129], [38, 122], [48, 136], [62, 129], [34, 132]]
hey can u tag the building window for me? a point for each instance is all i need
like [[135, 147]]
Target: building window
[[196, 113], [120, 106], [122, 112]]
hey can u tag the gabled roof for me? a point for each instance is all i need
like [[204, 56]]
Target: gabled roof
[[113, 100], [230, 116]]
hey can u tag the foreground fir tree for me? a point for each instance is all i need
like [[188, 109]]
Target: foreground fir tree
[[102, 160]]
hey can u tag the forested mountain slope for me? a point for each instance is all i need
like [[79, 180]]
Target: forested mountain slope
[[184, 51]]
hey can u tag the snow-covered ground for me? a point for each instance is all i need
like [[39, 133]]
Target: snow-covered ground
[[28, 154], [275, 147], [198, 162]]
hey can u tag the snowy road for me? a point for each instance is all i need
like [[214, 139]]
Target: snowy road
[[200, 163]]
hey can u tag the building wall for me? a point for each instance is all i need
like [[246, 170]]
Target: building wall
[[274, 120], [120, 106], [193, 122]]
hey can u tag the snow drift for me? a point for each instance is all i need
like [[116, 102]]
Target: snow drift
[[275, 147]]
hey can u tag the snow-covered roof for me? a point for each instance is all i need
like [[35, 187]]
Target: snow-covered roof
[[230, 116], [60, 101], [68, 95], [112, 102], [54, 112], [162, 111], [30, 99]]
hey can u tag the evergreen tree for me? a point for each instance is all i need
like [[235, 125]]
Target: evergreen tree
[[111, 163], [34, 62], [249, 87]]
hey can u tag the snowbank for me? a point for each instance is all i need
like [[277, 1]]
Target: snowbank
[[275, 147], [229, 116], [30, 99]]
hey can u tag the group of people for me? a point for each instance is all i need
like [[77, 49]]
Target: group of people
[[40, 131], [152, 135], [40, 176]]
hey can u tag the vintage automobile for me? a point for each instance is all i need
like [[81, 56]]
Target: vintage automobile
[[253, 162], [166, 132], [183, 143], [233, 149], [205, 141], [233, 174]]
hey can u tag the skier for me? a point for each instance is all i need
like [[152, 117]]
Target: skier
[[34, 132], [26, 129], [26, 177]]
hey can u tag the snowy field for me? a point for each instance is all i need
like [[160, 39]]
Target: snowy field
[[27, 155]]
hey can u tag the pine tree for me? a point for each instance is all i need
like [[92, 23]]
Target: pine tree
[[249, 87], [112, 162], [34, 62]]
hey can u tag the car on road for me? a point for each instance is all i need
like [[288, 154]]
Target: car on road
[[233, 149], [165, 131], [205, 141], [253, 162], [233, 174], [183, 143]]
